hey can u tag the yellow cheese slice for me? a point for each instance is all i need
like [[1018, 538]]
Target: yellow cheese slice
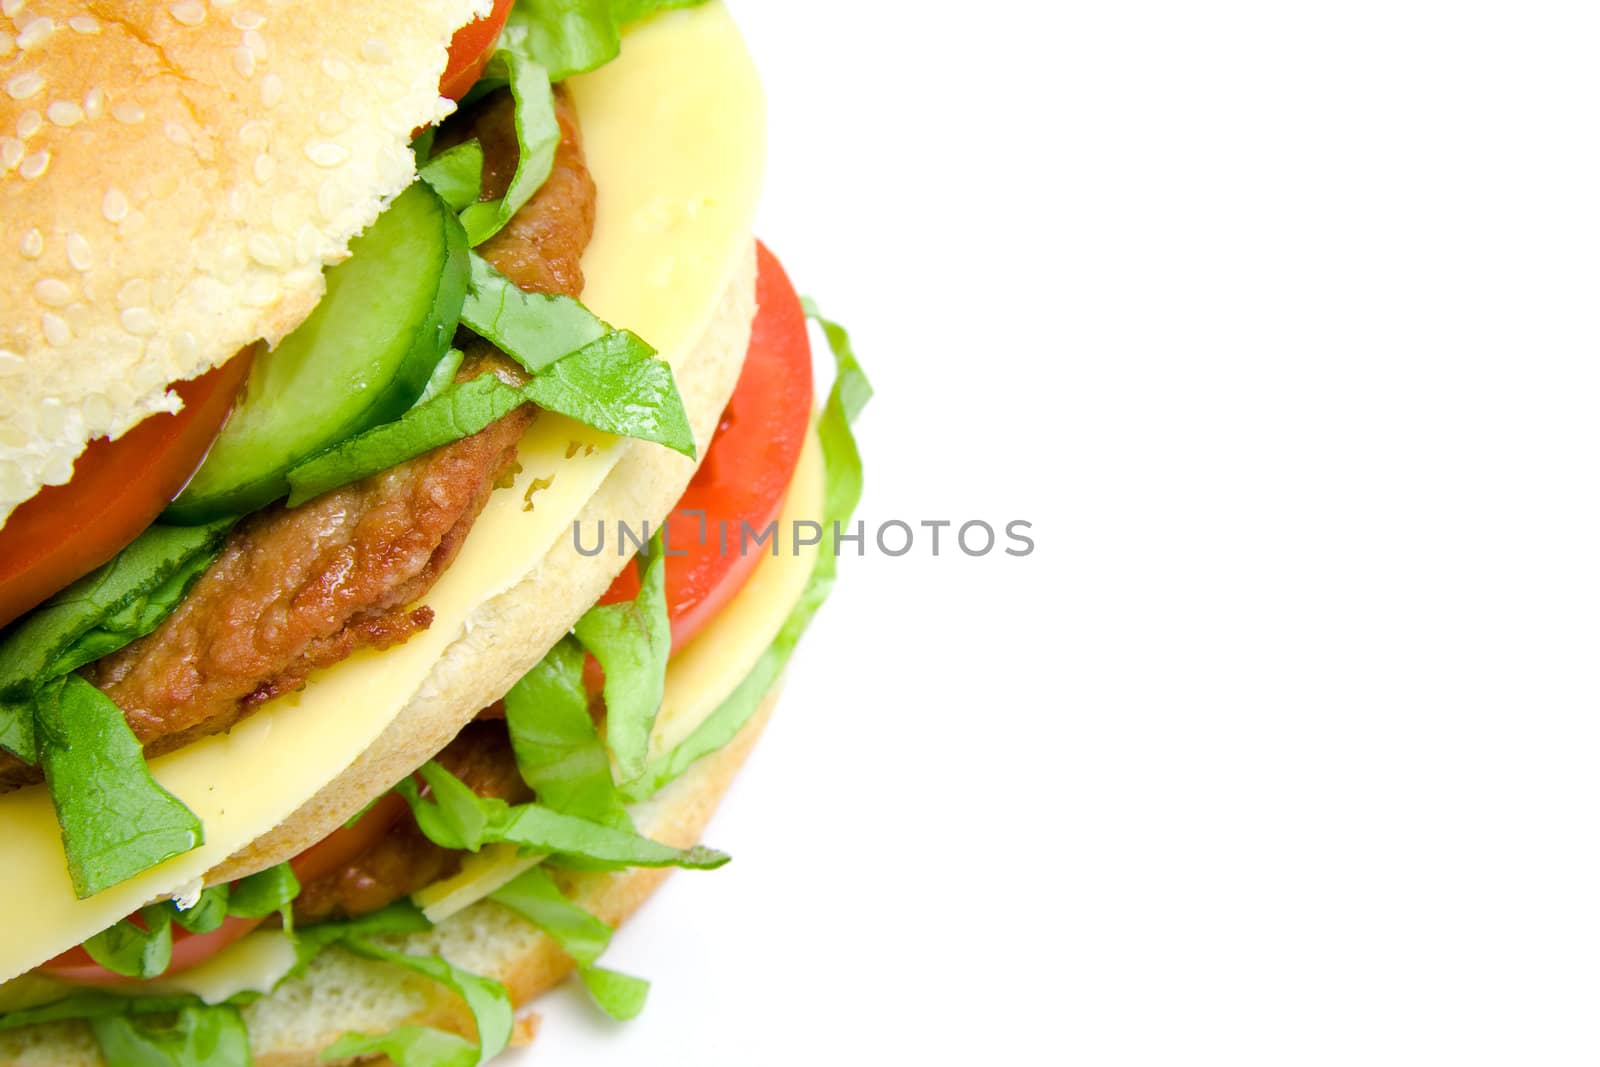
[[674, 137], [699, 677], [256, 963]]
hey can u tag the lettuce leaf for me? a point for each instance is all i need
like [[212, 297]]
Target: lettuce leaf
[[632, 641], [535, 896], [89, 753], [96, 615], [444, 374], [538, 135], [487, 999], [842, 492], [94, 1005], [457, 818], [409, 1046], [401, 917], [132, 950], [456, 174], [200, 1036], [617, 384], [558, 749], [573, 36], [265, 892], [535, 329]]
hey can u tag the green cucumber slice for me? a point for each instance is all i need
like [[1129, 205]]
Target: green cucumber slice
[[362, 358]]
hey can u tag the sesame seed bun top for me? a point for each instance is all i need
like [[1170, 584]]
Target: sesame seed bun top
[[174, 176]]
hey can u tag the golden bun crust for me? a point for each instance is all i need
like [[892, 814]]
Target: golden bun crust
[[341, 992], [253, 138], [512, 632]]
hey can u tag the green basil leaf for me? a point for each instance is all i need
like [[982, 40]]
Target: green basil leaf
[[566, 36], [617, 384], [459, 411], [558, 749], [88, 754], [133, 950], [409, 1046], [456, 174], [842, 492], [538, 136], [487, 999], [619, 995], [265, 892], [535, 329], [207, 914], [95, 616], [457, 818], [200, 1036], [632, 641]]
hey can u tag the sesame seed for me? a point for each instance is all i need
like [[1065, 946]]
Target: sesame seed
[[336, 68], [52, 292], [264, 168], [306, 241], [36, 33], [374, 50], [127, 112], [326, 153], [64, 113], [115, 206], [25, 85], [28, 123], [264, 250], [79, 254], [331, 122], [94, 103], [34, 165], [244, 61], [263, 292], [330, 200], [189, 12], [176, 133], [97, 409], [10, 152], [247, 20], [8, 8], [55, 329], [134, 291], [271, 89], [85, 24], [256, 43], [138, 321], [32, 244], [185, 345]]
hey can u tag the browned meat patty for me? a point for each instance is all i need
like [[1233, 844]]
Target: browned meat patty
[[405, 861], [298, 589]]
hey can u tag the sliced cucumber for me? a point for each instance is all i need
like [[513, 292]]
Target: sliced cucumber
[[362, 358]]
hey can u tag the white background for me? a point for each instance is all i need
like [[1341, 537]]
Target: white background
[[1279, 322]]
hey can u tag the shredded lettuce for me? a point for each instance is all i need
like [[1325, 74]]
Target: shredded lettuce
[[535, 329], [94, 1005], [208, 913], [401, 917], [199, 1036], [409, 1046], [96, 615], [535, 896], [457, 818], [133, 950], [558, 749], [538, 135], [842, 460], [88, 754], [617, 384], [632, 641], [487, 999], [265, 892], [456, 174], [573, 36], [444, 373]]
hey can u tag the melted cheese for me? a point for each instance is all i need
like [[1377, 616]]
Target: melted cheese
[[674, 136], [699, 677], [255, 964]]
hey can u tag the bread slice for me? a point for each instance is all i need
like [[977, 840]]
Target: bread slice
[[341, 992]]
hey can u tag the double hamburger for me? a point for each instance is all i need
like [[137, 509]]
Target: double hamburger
[[411, 495]]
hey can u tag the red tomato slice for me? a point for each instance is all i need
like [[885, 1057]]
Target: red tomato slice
[[747, 469], [348, 842], [117, 489], [188, 950], [470, 50]]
